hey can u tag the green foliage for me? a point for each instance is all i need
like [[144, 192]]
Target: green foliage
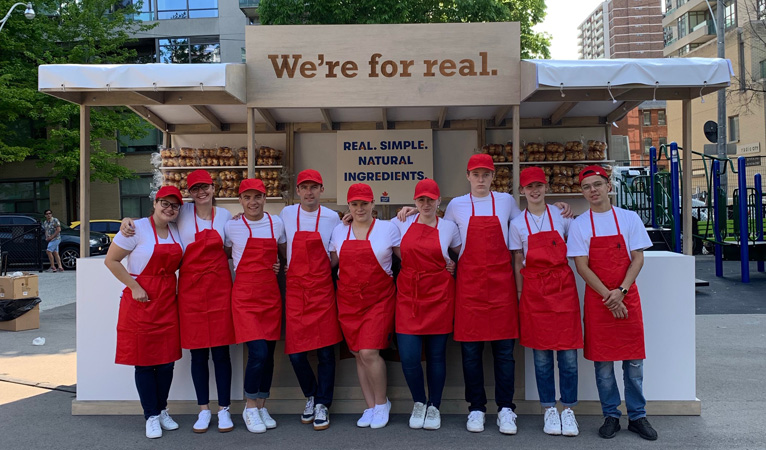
[[527, 12], [38, 125]]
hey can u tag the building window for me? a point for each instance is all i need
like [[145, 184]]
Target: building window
[[682, 26], [661, 119], [734, 129], [24, 196], [647, 118], [148, 143], [697, 18], [763, 68], [730, 14], [647, 144], [663, 141], [134, 196], [186, 9], [761, 9], [197, 49]]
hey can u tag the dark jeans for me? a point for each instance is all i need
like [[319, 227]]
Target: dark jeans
[[320, 387], [201, 375], [153, 386], [544, 375], [473, 374], [410, 351], [260, 368]]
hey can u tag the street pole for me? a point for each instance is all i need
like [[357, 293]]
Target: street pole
[[721, 145]]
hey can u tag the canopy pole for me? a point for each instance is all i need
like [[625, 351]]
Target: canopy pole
[[686, 177], [84, 181], [516, 152], [250, 143]]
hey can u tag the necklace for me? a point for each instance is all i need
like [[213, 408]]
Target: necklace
[[539, 225]]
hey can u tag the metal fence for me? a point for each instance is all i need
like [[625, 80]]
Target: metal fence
[[22, 246]]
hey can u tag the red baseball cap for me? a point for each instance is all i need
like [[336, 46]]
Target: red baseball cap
[[359, 191], [252, 183], [427, 188], [531, 175], [481, 161], [309, 175], [589, 171], [199, 176], [169, 191]]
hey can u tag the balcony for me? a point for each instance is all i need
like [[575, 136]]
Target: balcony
[[250, 9], [701, 33]]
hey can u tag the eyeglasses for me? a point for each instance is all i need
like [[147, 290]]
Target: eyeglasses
[[166, 204], [198, 187], [590, 187]]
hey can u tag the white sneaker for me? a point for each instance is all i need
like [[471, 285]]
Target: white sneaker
[[153, 428], [569, 423], [366, 418], [267, 419], [308, 411], [380, 415], [203, 421], [167, 422], [224, 421], [253, 420], [506, 420], [418, 417], [552, 422], [433, 419], [475, 422], [321, 417]]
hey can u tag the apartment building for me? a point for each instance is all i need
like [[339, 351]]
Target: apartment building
[[593, 34], [622, 29]]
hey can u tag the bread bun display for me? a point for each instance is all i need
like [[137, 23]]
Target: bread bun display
[[554, 151], [535, 152], [503, 181], [596, 150]]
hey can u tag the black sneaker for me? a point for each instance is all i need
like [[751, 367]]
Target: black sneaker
[[643, 428], [610, 428]]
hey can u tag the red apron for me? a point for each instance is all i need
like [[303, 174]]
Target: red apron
[[486, 308], [607, 338], [310, 311], [549, 310], [255, 299], [366, 296], [204, 291], [425, 302], [147, 332]]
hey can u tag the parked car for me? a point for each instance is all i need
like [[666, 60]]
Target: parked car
[[109, 227], [18, 247]]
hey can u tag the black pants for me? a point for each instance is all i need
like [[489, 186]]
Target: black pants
[[153, 385], [322, 386], [201, 374]]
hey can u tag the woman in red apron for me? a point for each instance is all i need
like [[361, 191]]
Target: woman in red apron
[[255, 299], [549, 309], [147, 328], [366, 296], [425, 302], [614, 329]]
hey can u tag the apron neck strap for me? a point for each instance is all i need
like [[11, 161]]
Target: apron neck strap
[[319, 214], [473, 210], [250, 230], [154, 229], [212, 218], [367, 237], [593, 225]]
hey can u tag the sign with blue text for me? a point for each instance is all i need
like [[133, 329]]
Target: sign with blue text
[[390, 161]]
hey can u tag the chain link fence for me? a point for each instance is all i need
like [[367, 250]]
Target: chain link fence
[[21, 246]]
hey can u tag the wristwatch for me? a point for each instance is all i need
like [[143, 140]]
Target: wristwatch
[[623, 290]]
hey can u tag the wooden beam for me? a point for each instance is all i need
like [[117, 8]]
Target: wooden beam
[[384, 117], [270, 122], [561, 111], [144, 112], [500, 114], [152, 98], [208, 115], [621, 111], [206, 128], [250, 143], [84, 181], [686, 180], [442, 116], [326, 119]]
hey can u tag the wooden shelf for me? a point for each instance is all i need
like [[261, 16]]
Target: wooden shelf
[[217, 167], [527, 163]]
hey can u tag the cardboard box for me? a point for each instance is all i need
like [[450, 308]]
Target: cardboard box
[[30, 320], [17, 288]]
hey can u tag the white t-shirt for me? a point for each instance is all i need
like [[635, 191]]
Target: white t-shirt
[[186, 218], [328, 220], [631, 227], [383, 237], [449, 235], [459, 211], [141, 244], [237, 234], [518, 237]]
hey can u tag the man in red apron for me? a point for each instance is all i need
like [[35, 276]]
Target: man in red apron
[[311, 315], [256, 303], [607, 244]]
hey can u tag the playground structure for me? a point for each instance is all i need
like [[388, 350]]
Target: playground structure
[[735, 233]]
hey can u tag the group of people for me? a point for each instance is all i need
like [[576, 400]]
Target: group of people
[[513, 281]]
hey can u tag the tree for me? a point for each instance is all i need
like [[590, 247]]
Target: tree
[[527, 12], [40, 126]]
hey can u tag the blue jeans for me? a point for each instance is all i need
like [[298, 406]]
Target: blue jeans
[[546, 385], [322, 386], [260, 368], [410, 351], [201, 375], [609, 393], [473, 374], [153, 386]]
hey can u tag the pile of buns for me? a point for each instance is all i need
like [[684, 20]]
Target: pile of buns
[[534, 152], [503, 181], [496, 151], [573, 151], [554, 151], [596, 150], [217, 157]]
